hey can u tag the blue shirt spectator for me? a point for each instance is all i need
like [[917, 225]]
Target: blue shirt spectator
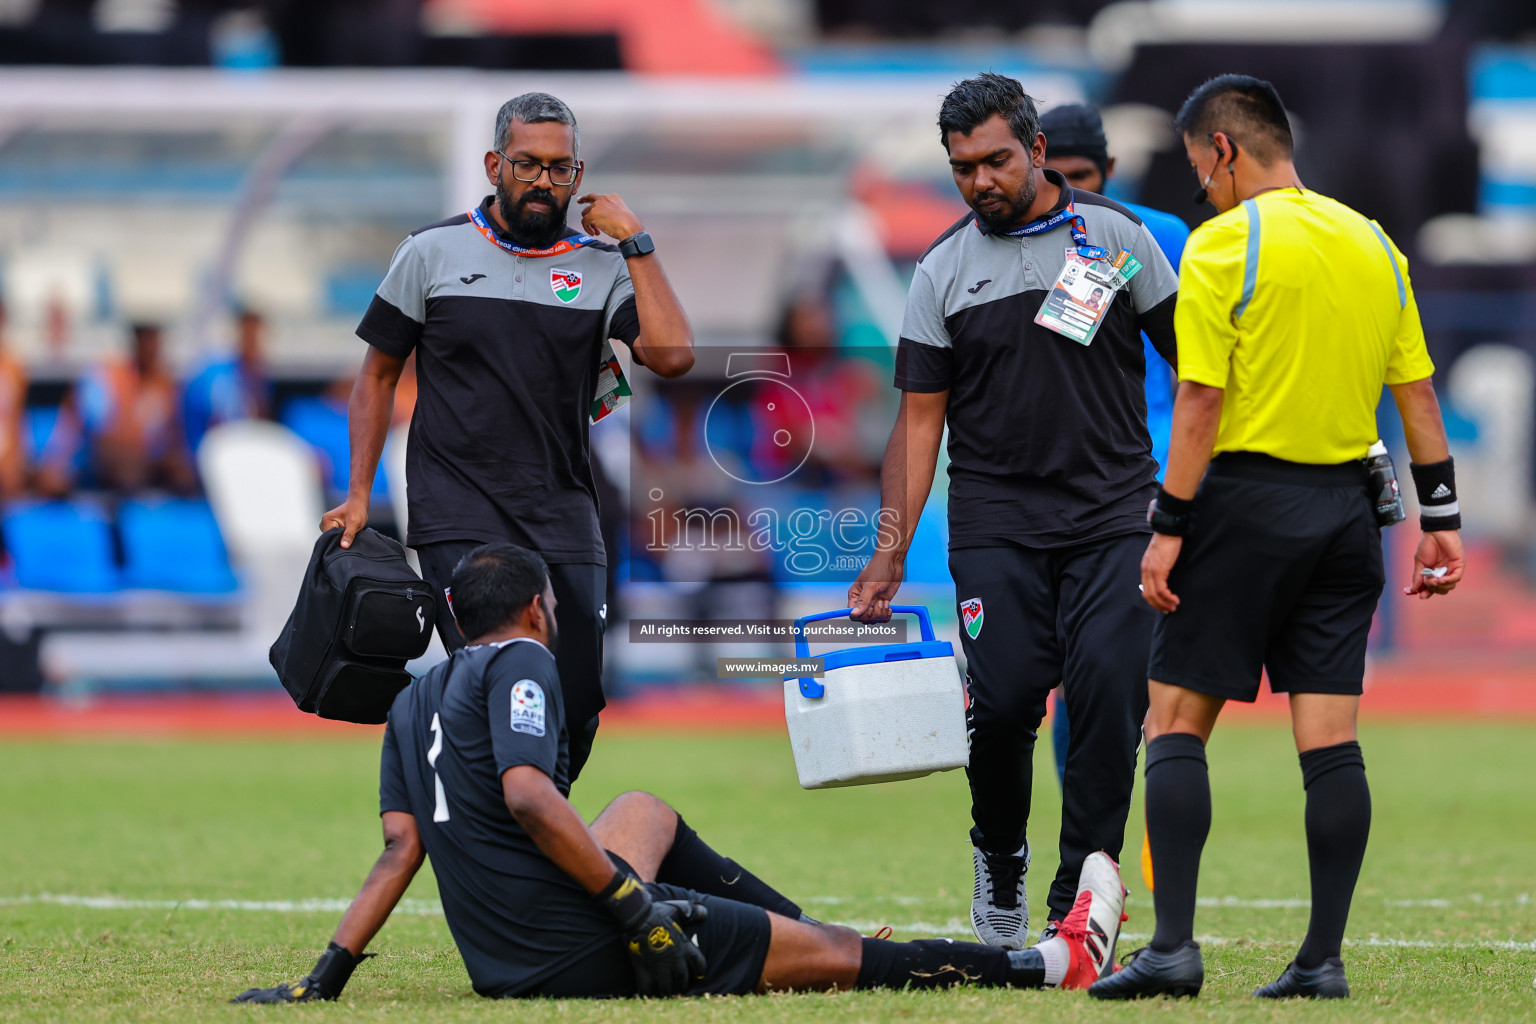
[[229, 388]]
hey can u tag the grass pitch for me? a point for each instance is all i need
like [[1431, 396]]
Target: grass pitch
[[154, 880]]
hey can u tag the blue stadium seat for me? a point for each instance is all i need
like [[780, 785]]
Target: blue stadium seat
[[324, 426], [173, 544], [63, 546]]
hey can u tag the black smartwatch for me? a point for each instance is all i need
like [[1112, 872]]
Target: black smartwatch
[[638, 244]]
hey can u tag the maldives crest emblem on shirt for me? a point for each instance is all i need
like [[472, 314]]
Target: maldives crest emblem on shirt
[[972, 615], [566, 283]]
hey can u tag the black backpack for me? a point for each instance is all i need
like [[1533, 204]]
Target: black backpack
[[362, 614]]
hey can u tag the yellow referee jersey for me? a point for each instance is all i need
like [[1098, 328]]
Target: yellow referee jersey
[[1301, 310]]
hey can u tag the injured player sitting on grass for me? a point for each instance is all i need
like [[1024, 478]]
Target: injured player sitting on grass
[[474, 774]]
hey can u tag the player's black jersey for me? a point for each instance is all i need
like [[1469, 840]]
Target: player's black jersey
[[515, 916]]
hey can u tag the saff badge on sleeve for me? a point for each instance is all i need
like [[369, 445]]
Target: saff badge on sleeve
[[528, 707], [566, 284]]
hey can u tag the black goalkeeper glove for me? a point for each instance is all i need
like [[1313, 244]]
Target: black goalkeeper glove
[[326, 981], [665, 960]]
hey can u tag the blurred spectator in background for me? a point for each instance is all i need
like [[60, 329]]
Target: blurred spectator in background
[[680, 533], [13, 400], [681, 470], [57, 330], [62, 458], [231, 388], [130, 415], [808, 321], [838, 387]]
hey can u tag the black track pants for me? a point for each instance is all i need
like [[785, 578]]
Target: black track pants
[[1069, 615]]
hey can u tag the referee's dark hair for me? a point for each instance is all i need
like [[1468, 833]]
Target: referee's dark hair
[[975, 100], [1247, 109], [492, 584]]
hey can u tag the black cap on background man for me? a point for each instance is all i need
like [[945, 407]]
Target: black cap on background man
[[1075, 146]]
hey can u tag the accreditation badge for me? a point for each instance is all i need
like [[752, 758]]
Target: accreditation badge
[[1087, 284], [612, 391]]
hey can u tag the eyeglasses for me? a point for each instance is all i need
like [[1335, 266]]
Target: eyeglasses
[[532, 170]]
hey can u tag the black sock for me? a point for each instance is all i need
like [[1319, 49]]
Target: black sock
[[693, 865], [1178, 820], [1338, 823], [940, 963]]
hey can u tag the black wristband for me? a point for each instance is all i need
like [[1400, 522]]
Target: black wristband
[[334, 968], [626, 899], [1170, 515], [1435, 484]]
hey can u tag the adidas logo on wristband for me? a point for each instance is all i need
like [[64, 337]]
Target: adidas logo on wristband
[[1441, 492]]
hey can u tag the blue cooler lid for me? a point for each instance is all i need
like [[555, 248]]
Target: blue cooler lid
[[869, 654]]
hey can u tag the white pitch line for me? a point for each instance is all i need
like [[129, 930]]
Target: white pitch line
[[900, 901], [432, 908], [422, 908]]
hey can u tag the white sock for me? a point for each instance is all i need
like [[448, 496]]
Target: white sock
[[1058, 957]]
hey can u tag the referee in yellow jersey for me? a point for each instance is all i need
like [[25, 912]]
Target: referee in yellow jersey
[[1294, 311]]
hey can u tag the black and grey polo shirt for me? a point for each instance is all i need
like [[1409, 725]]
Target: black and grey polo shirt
[[507, 350], [1048, 442]]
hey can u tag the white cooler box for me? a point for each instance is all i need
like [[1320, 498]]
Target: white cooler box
[[880, 713]]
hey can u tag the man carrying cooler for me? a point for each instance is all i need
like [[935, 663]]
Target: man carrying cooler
[[1050, 470]]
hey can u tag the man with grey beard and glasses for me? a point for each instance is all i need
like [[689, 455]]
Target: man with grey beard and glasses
[[509, 312]]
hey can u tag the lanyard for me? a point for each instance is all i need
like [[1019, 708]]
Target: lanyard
[[1073, 220], [565, 245]]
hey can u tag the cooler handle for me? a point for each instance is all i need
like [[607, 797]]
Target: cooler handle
[[813, 689]]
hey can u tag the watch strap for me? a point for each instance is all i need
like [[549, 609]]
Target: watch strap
[[638, 244]]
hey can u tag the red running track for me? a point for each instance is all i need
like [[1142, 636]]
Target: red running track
[[1412, 691], [273, 714]]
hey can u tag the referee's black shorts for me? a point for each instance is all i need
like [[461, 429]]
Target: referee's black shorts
[[1281, 572]]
